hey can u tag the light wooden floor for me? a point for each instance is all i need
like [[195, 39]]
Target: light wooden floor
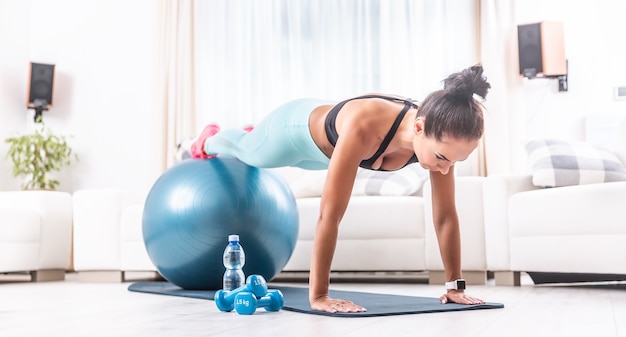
[[72, 308]]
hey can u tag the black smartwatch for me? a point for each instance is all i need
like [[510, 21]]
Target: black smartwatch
[[458, 284]]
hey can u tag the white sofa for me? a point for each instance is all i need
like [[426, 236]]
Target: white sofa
[[563, 233], [108, 241], [378, 233], [376, 230], [36, 233]]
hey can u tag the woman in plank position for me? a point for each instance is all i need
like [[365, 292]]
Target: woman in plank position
[[376, 132]]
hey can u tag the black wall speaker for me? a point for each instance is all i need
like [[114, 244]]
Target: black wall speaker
[[541, 49], [41, 85]]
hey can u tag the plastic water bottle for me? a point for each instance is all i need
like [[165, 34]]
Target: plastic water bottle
[[234, 259]]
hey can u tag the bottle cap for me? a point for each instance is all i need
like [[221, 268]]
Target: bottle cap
[[233, 237]]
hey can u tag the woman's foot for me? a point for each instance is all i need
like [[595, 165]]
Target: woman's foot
[[197, 148]]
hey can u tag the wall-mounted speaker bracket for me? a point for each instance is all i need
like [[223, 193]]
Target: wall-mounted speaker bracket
[[563, 85], [39, 105], [531, 74]]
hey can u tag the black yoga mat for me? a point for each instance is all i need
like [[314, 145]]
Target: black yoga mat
[[297, 299]]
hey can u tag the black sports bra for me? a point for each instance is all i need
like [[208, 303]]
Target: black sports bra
[[331, 130]]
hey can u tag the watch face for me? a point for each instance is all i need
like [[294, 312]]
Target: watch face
[[460, 284]]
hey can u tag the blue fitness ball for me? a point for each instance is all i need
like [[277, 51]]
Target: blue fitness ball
[[197, 203]]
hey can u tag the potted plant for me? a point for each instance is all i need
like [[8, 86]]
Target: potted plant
[[37, 154]]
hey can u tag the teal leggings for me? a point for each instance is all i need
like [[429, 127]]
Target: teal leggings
[[281, 139]]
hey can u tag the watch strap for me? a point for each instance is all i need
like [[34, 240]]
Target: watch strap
[[458, 284]]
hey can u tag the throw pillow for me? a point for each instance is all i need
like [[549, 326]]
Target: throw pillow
[[406, 181], [303, 183], [557, 163]]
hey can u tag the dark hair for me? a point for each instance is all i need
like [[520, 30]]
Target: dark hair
[[454, 111]]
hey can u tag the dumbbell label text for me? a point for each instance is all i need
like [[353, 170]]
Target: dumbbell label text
[[241, 301]]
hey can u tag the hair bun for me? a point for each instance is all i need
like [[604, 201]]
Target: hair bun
[[466, 83]]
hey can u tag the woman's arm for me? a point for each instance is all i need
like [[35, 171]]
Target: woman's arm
[[446, 223], [335, 197]]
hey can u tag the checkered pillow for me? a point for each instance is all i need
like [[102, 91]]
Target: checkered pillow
[[564, 163], [406, 181]]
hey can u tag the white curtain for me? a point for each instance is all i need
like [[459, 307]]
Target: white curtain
[[254, 55], [504, 120], [176, 83]]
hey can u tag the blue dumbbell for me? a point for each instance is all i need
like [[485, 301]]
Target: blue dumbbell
[[255, 284], [246, 303]]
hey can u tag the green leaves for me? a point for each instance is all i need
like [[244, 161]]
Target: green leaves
[[36, 155]]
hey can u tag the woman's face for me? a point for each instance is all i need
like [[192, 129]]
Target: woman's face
[[439, 156]]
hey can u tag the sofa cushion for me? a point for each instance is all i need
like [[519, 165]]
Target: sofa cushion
[[303, 183], [556, 162], [406, 181]]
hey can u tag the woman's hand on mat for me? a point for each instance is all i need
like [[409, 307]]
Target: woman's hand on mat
[[460, 297], [332, 305]]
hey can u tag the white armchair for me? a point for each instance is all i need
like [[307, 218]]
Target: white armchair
[[571, 232], [36, 233]]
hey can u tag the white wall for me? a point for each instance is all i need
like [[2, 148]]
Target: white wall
[[13, 37], [595, 49], [104, 52]]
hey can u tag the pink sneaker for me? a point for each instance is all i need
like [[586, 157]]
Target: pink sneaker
[[248, 128], [197, 148]]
